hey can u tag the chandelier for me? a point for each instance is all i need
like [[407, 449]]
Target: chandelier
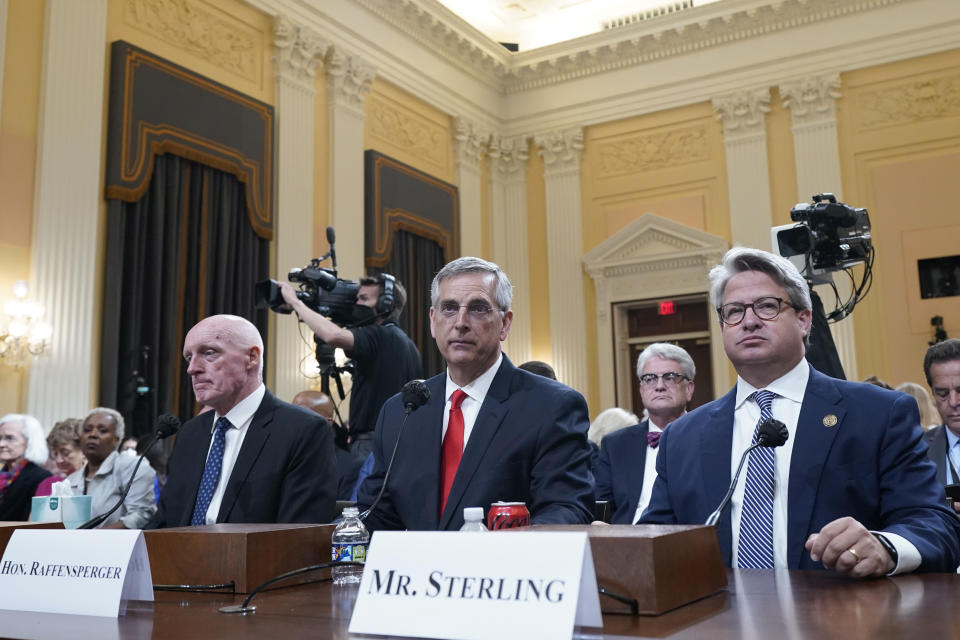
[[23, 333]]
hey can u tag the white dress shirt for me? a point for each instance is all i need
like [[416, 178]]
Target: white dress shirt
[[240, 418], [476, 391], [649, 475]]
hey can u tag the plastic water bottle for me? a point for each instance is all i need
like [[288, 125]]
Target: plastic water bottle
[[473, 519], [349, 544]]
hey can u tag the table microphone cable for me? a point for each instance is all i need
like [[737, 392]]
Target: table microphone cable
[[246, 607]]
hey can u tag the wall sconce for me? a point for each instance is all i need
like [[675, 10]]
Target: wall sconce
[[23, 334]]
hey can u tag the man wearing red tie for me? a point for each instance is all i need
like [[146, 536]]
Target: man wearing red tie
[[490, 431]]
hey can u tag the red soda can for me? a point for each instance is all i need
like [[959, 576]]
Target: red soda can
[[506, 515]]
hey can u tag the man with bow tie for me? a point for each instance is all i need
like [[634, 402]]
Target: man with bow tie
[[626, 466]]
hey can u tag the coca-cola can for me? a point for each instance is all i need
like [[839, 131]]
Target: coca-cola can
[[506, 515]]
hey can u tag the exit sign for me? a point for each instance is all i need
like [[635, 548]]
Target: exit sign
[[667, 308]]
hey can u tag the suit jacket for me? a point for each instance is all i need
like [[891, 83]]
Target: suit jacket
[[528, 444], [619, 470], [936, 440], [285, 470], [871, 465], [15, 505]]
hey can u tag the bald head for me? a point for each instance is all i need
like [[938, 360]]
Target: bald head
[[315, 401], [224, 357]]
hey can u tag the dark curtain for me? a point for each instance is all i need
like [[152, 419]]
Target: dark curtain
[[414, 260], [184, 251]]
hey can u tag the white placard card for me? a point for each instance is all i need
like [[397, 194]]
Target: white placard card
[[77, 572], [477, 585]]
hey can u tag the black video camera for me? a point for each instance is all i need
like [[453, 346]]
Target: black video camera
[[831, 235]]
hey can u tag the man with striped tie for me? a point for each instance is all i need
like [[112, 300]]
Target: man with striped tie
[[851, 490]]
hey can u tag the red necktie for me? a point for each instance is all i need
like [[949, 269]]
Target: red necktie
[[452, 447]]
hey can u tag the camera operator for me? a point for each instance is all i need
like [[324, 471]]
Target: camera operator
[[385, 357]]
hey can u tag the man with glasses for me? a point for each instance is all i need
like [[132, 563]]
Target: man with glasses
[[941, 365], [851, 490], [626, 466], [489, 431]]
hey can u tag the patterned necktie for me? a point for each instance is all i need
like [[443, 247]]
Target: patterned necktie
[[211, 473], [653, 438], [452, 447], [755, 550]]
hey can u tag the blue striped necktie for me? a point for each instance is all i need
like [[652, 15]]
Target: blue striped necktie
[[755, 548], [211, 473]]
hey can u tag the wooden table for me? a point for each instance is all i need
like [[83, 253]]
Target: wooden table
[[758, 604]]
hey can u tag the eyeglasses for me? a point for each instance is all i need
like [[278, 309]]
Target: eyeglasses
[[765, 308], [671, 378], [476, 310]]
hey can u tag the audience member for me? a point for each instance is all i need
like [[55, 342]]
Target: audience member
[[489, 431], [863, 496], [347, 464], [941, 365], [626, 468], [539, 368], [64, 444], [157, 456], [22, 451], [106, 473], [128, 447], [608, 421], [929, 417], [877, 382]]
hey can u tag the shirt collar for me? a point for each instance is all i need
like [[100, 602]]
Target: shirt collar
[[792, 385], [476, 390], [243, 411], [951, 437]]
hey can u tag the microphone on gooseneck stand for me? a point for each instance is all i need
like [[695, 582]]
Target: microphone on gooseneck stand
[[414, 395], [770, 433], [167, 425], [331, 239]]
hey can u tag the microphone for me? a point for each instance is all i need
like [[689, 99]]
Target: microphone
[[414, 395], [167, 425], [331, 239], [770, 433]]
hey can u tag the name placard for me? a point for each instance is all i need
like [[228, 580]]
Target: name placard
[[477, 585], [75, 572]]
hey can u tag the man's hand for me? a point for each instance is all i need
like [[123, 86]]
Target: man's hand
[[847, 547], [289, 295]]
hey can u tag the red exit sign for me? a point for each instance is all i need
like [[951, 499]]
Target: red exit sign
[[667, 308]]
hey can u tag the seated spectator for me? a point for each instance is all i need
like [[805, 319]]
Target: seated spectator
[[539, 368], [877, 382], [64, 444], [106, 473], [929, 416], [609, 421], [347, 464], [157, 456], [22, 451], [129, 447]]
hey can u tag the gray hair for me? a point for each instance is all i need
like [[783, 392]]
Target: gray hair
[[609, 421], [118, 427], [667, 351], [502, 293], [37, 451]]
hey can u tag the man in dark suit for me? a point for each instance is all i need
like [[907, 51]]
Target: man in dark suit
[[626, 466], [490, 432], [941, 365], [863, 497], [254, 458]]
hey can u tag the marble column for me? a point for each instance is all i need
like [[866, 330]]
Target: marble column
[[811, 101], [349, 79], [67, 202], [508, 233], [568, 328], [748, 179], [298, 52], [470, 146]]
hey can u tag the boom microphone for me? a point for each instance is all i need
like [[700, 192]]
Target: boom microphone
[[414, 395], [167, 425], [770, 433]]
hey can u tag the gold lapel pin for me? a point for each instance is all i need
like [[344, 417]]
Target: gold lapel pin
[[829, 420]]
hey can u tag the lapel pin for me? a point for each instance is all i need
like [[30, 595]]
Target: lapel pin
[[829, 420]]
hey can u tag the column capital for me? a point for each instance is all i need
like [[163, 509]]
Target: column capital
[[508, 155], [811, 98], [560, 150], [297, 50], [471, 142], [742, 112], [350, 78]]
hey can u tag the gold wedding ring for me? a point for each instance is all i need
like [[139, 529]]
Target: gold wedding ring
[[854, 553]]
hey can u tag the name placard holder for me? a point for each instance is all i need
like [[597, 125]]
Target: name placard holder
[[86, 573], [477, 585]]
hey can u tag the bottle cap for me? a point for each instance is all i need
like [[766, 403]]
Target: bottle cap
[[473, 513]]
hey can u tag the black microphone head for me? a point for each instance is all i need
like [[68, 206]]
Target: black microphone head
[[415, 394], [331, 235], [167, 425], [772, 433]]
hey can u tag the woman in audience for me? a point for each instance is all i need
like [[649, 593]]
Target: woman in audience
[[22, 451], [929, 416], [106, 473], [609, 421], [64, 443]]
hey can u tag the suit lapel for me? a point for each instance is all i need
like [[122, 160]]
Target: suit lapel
[[636, 464], [485, 428], [937, 442], [716, 445], [428, 427], [815, 434], [257, 435], [193, 454]]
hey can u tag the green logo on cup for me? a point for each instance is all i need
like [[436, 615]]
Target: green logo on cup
[[53, 503]]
